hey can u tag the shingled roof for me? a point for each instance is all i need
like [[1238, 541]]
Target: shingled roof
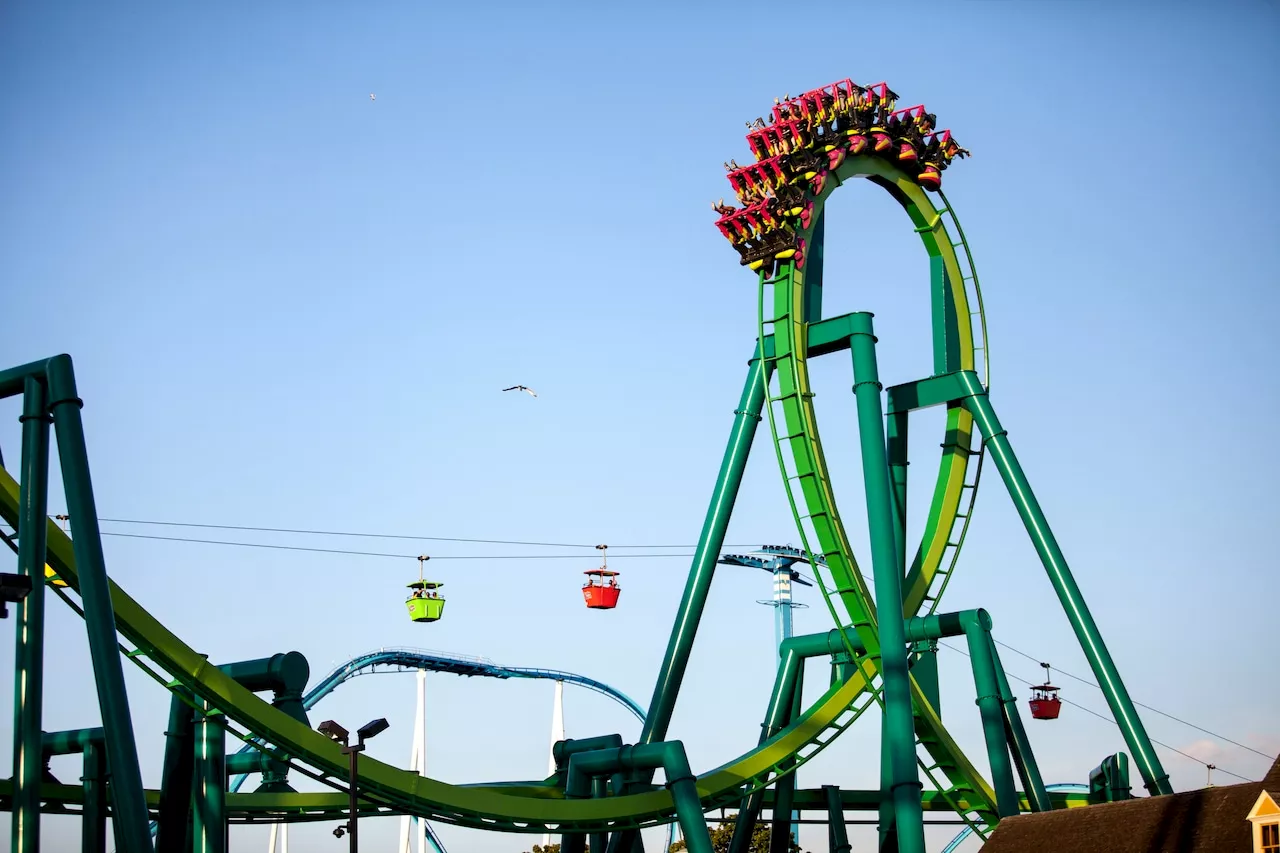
[[1210, 820]]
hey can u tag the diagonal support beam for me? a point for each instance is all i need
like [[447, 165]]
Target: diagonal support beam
[[1055, 563]]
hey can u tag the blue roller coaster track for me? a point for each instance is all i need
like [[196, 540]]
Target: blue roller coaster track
[[411, 660]]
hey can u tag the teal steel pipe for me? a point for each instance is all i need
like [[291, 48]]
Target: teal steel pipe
[[176, 776], [925, 670], [93, 818], [899, 724], [783, 704], [563, 750], [784, 787], [129, 804], [599, 840], [702, 569], [284, 674], [209, 817], [28, 692], [13, 380], [898, 463], [573, 842], [670, 756], [1024, 759], [977, 632], [249, 762], [978, 403], [72, 741], [837, 835]]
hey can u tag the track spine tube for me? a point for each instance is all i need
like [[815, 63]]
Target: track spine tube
[[1024, 759], [899, 723], [1104, 669], [670, 676], [129, 804], [977, 633], [28, 688], [837, 835]]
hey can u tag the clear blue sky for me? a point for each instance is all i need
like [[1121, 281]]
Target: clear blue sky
[[291, 306]]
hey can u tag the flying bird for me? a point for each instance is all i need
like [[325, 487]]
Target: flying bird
[[528, 391], [373, 97]]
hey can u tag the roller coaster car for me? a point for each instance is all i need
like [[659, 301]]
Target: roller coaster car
[[930, 177], [754, 182], [601, 590], [774, 244], [789, 201], [425, 604], [881, 141], [1045, 704], [805, 164]]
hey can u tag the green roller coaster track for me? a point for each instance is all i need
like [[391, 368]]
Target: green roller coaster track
[[790, 332]]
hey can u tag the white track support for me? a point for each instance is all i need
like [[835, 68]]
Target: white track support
[[283, 829], [417, 761], [557, 735]]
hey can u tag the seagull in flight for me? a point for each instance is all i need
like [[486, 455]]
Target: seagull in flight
[[528, 391], [372, 96]]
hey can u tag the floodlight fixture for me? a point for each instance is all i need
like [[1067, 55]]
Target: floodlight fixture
[[13, 588], [329, 728], [373, 729]]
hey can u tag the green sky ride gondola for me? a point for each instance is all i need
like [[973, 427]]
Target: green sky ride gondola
[[425, 603]]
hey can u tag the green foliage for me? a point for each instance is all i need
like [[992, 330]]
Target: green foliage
[[722, 834]]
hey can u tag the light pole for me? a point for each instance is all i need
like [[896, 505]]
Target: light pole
[[352, 751], [777, 560]]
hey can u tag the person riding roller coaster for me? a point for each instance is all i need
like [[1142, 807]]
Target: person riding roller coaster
[[911, 135]]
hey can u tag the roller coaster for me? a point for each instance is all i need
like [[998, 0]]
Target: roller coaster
[[880, 648]]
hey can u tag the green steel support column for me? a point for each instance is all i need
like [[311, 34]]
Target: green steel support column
[[93, 820], [837, 835], [129, 805], [885, 823], [1155, 779], [898, 476], [28, 692], [899, 724], [813, 272], [210, 812], [977, 632], [681, 782], [746, 419], [925, 670], [1023, 758], [702, 569], [599, 840], [784, 789], [176, 777], [946, 344], [782, 703]]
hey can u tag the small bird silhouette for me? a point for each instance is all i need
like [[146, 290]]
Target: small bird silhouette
[[373, 97], [528, 391]]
